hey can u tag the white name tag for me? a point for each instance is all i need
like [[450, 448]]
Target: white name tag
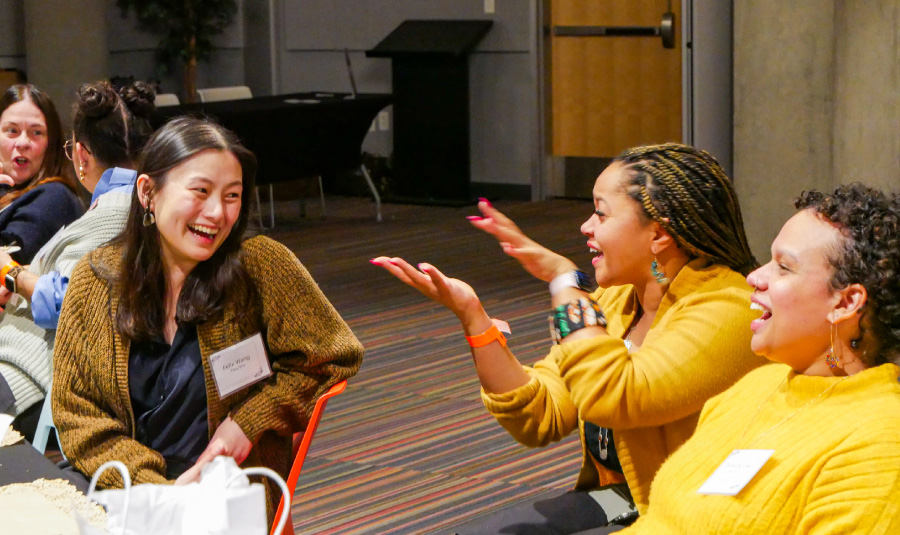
[[738, 469], [240, 365]]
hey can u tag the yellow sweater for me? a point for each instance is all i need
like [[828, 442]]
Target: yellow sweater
[[835, 470], [698, 346]]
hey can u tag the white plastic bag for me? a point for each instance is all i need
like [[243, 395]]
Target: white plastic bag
[[222, 502]]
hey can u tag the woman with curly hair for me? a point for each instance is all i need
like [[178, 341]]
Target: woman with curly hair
[[812, 444], [665, 332]]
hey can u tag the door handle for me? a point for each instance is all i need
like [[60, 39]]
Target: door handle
[[666, 30]]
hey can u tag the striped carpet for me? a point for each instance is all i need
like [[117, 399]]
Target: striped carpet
[[409, 448]]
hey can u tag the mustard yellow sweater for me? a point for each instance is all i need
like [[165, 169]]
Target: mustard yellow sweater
[[698, 346], [835, 470]]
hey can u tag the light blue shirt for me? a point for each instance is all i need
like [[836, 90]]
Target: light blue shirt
[[49, 290]]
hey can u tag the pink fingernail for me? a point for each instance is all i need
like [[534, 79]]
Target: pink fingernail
[[482, 199], [474, 217], [373, 262]]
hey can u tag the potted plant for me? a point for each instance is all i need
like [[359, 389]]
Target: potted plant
[[187, 27]]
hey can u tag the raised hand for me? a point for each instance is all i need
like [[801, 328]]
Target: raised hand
[[454, 294], [5, 170], [534, 257]]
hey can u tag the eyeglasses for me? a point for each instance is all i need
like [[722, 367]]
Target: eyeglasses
[[69, 147]]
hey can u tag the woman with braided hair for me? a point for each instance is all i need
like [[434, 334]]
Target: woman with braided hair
[[665, 331]]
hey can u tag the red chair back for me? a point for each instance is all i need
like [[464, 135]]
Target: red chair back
[[300, 453]]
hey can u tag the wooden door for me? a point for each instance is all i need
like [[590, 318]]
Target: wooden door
[[611, 93]]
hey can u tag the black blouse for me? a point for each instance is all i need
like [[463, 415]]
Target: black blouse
[[602, 447], [168, 396]]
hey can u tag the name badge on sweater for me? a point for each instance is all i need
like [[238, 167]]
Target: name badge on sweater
[[738, 469], [240, 365]]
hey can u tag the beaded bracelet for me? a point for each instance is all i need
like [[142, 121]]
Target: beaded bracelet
[[574, 315]]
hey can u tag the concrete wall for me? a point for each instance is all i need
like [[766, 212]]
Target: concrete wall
[[867, 92], [12, 28], [55, 65], [817, 103]]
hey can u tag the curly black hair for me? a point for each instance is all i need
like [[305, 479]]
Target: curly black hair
[[869, 254]]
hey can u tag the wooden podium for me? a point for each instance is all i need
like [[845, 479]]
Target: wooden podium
[[430, 70]]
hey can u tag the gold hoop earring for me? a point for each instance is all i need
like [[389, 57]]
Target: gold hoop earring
[[831, 358]]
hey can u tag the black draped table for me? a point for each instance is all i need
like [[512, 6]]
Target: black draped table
[[23, 464], [298, 134]]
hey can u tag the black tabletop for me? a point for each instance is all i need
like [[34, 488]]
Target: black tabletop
[[24, 464], [294, 135]]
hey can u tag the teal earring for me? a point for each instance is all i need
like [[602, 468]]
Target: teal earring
[[657, 272]]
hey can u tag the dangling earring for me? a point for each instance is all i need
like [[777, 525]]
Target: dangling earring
[[81, 172], [831, 358], [149, 218], [657, 272]]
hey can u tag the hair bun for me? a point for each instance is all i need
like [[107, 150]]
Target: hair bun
[[139, 97], [96, 99]]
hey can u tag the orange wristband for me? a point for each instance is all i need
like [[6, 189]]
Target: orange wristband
[[5, 270], [488, 336]]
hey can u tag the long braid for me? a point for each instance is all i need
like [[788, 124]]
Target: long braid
[[685, 190]]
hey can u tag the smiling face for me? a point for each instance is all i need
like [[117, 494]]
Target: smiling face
[[618, 232], [793, 292], [197, 207], [23, 140]]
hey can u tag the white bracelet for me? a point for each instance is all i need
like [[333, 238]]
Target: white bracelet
[[561, 282]]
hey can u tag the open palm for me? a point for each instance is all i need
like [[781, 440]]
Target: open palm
[[454, 294]]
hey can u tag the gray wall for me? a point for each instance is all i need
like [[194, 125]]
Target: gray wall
[[817, 102], [867, 92], [131, 53], [12, 28], [23, 27], [503, 77], [55, 65], [281, 46]]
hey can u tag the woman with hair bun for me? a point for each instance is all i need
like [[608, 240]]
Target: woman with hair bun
[[665, 331], [109, 130], [42, 195]]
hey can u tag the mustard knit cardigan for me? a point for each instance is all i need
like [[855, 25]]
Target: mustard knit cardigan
[[310, 348], [835, 470], [698, 346]]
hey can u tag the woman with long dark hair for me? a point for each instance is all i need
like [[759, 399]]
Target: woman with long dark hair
[[167, 335]]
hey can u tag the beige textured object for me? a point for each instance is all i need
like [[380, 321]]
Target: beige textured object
[[47, 506], [11, 437]]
